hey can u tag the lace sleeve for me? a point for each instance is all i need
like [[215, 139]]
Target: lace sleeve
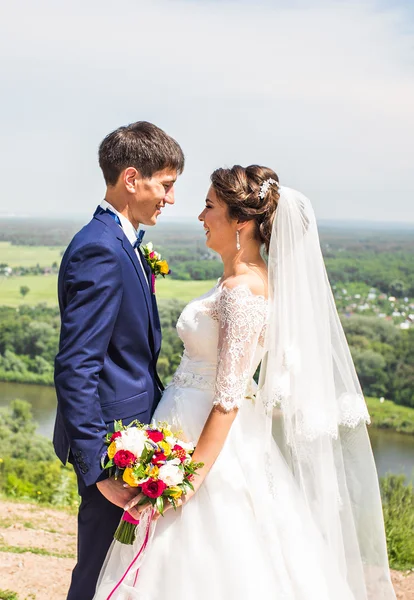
[[241, 316]]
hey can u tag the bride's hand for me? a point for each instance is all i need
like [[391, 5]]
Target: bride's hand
[[136, 506]]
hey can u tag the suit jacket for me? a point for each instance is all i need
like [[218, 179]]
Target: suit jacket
[[109, 344]]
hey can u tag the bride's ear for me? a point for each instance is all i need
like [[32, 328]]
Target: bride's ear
[[243, 224]]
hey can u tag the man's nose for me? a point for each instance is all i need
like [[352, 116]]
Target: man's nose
[[170, 196]]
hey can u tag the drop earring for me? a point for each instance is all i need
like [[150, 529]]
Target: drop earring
[[238, 240]]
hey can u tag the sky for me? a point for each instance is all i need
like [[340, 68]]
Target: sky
[[321, 91]]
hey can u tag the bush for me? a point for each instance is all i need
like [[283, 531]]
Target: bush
[[47, 482], [17, 433], [398, 507]]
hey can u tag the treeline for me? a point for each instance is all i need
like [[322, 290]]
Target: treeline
[[388, 272], [383, 357], [29, 338], [383, 353], [381, 258]]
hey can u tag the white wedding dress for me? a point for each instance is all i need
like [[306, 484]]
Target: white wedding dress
[[246, 533]]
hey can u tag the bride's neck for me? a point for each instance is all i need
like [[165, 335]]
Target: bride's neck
[[241, 261]]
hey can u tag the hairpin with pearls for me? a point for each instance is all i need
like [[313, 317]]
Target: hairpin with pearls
[[266, 185]]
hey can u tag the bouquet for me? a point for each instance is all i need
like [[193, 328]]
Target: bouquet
[[152, 459]]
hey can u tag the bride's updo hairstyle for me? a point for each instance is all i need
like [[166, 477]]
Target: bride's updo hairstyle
[[240, 188]]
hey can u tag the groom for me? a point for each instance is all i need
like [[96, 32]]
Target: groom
[[110, 334]]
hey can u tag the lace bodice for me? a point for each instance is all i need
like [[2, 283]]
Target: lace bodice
[[222, 332]]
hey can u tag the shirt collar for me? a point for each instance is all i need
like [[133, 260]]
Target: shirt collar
[[127, 226]]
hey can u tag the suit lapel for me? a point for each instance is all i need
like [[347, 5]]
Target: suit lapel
[[103, 216]]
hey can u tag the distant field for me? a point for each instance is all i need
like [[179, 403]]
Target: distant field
[[43, 289], [29, 256]]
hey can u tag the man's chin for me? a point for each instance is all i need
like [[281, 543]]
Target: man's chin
[[149, 222]]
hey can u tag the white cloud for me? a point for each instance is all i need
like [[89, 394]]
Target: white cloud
[[322, 92]]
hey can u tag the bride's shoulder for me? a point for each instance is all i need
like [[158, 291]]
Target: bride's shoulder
[[253, 283]]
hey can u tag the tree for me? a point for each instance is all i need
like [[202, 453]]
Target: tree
[[397, 288], [370, 367], [24, 290]]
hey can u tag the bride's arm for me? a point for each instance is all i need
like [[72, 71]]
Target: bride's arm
[[240, 316]]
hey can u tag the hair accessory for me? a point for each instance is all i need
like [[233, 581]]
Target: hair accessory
[[265, 186]]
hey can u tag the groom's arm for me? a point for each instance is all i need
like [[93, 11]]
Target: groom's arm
[[93, 292]]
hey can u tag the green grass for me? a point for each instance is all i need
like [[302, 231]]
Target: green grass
[[34, 550], [181, 290], [29, 256], [388, 415], [43, 288], [8, 595]]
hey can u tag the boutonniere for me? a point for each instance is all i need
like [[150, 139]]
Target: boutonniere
[[157, 266]]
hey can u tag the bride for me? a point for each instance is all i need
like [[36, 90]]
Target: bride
[[287, 504]]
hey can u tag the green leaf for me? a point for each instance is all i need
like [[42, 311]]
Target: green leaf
[[139, 472], [118, 426], [190, 485], [160, 505]]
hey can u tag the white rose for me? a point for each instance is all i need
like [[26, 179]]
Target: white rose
[[150, 246], [132, 439], [171, 440], [187, 446], [171, 474]]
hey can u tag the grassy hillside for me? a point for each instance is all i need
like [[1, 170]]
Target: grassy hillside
[[43, 289]]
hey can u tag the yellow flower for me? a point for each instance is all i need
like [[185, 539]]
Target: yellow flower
[[152, 470], [175, 491], [163, 266], [129, 477], [112, 450], [166, 448]]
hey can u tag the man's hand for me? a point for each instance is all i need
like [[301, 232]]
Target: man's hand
[[116, 492]]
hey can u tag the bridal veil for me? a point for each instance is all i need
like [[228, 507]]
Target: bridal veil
[[313, 403]]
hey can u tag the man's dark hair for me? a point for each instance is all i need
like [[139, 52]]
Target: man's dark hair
[[141, 145]]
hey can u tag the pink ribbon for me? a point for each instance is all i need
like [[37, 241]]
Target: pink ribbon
[[141, 550], [153, 283], [127, 517]]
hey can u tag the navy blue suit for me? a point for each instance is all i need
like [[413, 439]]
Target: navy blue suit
[[105, 370]]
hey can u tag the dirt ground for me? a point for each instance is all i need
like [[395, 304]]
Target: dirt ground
[[38, 547]]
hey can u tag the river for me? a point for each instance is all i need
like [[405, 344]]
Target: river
[[394, 452]]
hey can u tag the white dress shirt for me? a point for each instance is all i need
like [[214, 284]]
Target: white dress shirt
[[128, 229]]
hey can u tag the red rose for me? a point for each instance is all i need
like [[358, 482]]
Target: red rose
[[124, 458], [159, 458], [155, 436], [115, 435], [153, 488], [180, 453]]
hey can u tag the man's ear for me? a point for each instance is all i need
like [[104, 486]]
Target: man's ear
[[129, 176]]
